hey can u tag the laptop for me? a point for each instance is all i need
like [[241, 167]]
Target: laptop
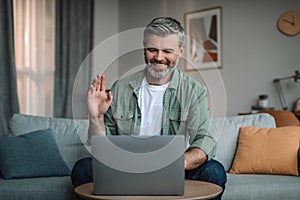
[[137, 165]]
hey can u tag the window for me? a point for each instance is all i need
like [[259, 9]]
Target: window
[[34, 33]]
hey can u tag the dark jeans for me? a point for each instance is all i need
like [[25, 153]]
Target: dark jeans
[[211, 171]]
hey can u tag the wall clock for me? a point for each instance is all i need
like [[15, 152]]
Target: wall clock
[[289, 22]]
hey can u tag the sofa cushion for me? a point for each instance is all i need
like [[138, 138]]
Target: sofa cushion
[[226, 131], [43, 188], [267, 151], [70, 134], [259, 186], [34, 154]]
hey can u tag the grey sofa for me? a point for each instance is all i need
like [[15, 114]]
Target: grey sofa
[[250, 186], [71, 134]]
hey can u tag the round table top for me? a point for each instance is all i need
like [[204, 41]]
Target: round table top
[[192, 190]]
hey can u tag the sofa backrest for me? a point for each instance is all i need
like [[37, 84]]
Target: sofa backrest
[[226, 132], [70, 134]]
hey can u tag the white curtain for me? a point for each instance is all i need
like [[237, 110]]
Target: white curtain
[[34, 25]]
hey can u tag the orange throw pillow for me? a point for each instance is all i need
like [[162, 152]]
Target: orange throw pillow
[[267, 151]]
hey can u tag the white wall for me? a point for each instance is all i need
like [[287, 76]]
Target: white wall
[[254, 51]]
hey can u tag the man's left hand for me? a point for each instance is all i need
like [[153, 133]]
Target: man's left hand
[[194, 157]]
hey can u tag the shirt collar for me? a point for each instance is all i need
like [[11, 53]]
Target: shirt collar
[[174, 80]]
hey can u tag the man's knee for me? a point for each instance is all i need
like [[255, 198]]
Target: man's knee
[[215, 170], [211, 171], [82, 172], [81, 165]]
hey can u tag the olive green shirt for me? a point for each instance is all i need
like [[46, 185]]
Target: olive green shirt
[[185, 110]]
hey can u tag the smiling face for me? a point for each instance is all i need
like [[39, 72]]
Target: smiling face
[[162, 55]]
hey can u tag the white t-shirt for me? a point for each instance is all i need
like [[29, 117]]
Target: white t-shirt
[[151, 105]]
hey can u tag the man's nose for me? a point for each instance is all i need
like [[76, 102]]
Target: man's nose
[[159, 56]]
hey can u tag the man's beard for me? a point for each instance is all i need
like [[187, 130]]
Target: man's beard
[[161, 74]]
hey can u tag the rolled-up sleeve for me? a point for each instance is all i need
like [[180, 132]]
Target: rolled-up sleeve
[[198, 123]]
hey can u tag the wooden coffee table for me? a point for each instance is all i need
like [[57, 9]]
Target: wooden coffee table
[[192, 190]]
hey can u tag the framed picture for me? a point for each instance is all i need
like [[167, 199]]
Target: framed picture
[[203, 39], [297, 106]]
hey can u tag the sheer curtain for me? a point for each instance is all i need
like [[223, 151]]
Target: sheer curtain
[[34, 22]]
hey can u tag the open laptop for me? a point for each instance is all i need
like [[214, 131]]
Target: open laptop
[[131, 165]]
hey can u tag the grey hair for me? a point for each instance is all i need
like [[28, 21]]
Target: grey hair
[[164, 26]]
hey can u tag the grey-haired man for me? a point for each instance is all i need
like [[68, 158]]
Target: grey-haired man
[[159, 100]]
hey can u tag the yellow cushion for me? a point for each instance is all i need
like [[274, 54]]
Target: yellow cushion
[[267, 151]]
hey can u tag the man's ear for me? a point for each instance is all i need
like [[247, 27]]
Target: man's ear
[[181, 51]]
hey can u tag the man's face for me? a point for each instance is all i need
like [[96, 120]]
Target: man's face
[[162, 54]]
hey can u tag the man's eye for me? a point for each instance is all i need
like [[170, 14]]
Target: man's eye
[[168, 51], [152, 50]]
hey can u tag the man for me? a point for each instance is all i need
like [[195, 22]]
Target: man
[[159, 100]]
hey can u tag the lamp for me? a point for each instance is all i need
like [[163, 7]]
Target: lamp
[[296, 78]]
